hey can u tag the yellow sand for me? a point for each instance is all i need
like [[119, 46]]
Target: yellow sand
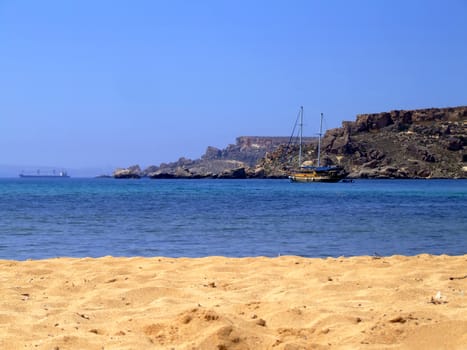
[[223, 303]]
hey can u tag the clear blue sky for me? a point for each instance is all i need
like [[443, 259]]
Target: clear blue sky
[[105, 84]]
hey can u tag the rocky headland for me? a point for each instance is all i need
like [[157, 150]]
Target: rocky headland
[[236, 161], [422, 143]]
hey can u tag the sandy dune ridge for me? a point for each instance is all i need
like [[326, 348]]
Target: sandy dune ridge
[[286, 302]]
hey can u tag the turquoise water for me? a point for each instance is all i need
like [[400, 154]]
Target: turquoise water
[[43, 218]]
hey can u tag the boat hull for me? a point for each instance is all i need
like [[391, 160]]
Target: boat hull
[[298, 178], [323, 174], [44, 176]]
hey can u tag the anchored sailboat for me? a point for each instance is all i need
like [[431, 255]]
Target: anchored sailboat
[[316, 173]]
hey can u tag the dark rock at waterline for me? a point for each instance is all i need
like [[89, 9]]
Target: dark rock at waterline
[[238, 173], [201, 169]]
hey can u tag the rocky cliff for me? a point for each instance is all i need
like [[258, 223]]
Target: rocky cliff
[[424, 143], [235, 161], [132, 172], [248, 149]]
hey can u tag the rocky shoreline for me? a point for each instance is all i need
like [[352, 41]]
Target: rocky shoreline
[[413, 144]]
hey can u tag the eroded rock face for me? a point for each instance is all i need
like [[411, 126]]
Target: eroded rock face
[[132, 172], [238, 173], [225, 169], [236, 161], [423, 143], [367, 122], [247, 149], [337, 141], [212, 153], [404, 144]]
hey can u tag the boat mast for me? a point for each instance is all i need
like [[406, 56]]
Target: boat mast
[[301, 136], [319, 139]]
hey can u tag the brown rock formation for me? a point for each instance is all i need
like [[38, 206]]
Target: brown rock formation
[[402, 144]]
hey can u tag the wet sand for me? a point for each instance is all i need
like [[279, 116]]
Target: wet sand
[[222, 303]]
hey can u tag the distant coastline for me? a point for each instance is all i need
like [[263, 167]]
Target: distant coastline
[[400, 144]]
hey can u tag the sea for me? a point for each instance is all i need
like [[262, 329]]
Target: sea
[[47, 218]]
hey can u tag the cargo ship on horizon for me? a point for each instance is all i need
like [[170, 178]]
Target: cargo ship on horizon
[[39, 174]]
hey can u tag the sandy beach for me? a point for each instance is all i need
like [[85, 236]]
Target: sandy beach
[[223, 303]]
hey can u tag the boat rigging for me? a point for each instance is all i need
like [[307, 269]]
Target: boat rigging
[[318, 173]]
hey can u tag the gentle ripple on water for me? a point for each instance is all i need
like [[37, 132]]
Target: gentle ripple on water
[[97, 217]]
